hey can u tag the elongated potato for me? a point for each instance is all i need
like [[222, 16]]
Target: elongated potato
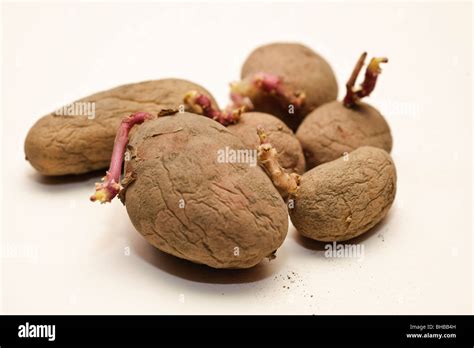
[[60, 145], [342, 199], [186, 201]]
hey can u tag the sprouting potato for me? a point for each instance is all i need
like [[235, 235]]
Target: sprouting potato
[[188, 203], [287, 80]]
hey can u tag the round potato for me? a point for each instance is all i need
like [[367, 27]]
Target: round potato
[[279, 135], [342, 199], [333, 129], [301, 70]]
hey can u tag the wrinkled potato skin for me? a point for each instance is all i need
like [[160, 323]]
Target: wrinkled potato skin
[[278, 134], [226, 205], [301, 69], [333, 129], [60, 145], [340, 200]]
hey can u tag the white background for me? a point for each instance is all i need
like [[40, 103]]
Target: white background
[[71, 254]]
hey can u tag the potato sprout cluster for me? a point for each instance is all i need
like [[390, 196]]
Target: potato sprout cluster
[[216, 186]]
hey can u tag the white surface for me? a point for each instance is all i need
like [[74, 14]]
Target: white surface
[[419, 260]]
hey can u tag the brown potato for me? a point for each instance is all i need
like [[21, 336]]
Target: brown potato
[[301, 70], [60, 145], [333, 129], [279, 135], [342, 199], [187, 203]]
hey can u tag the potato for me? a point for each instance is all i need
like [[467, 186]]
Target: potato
[[342, 199], [333, 129], [300, 70], [279, 135], [60, 145], [187, 203]]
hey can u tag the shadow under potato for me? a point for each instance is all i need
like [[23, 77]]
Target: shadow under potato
[[198, 272], [320, 246]]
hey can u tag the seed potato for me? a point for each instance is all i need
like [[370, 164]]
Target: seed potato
[[342, 199], [188, 204]]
